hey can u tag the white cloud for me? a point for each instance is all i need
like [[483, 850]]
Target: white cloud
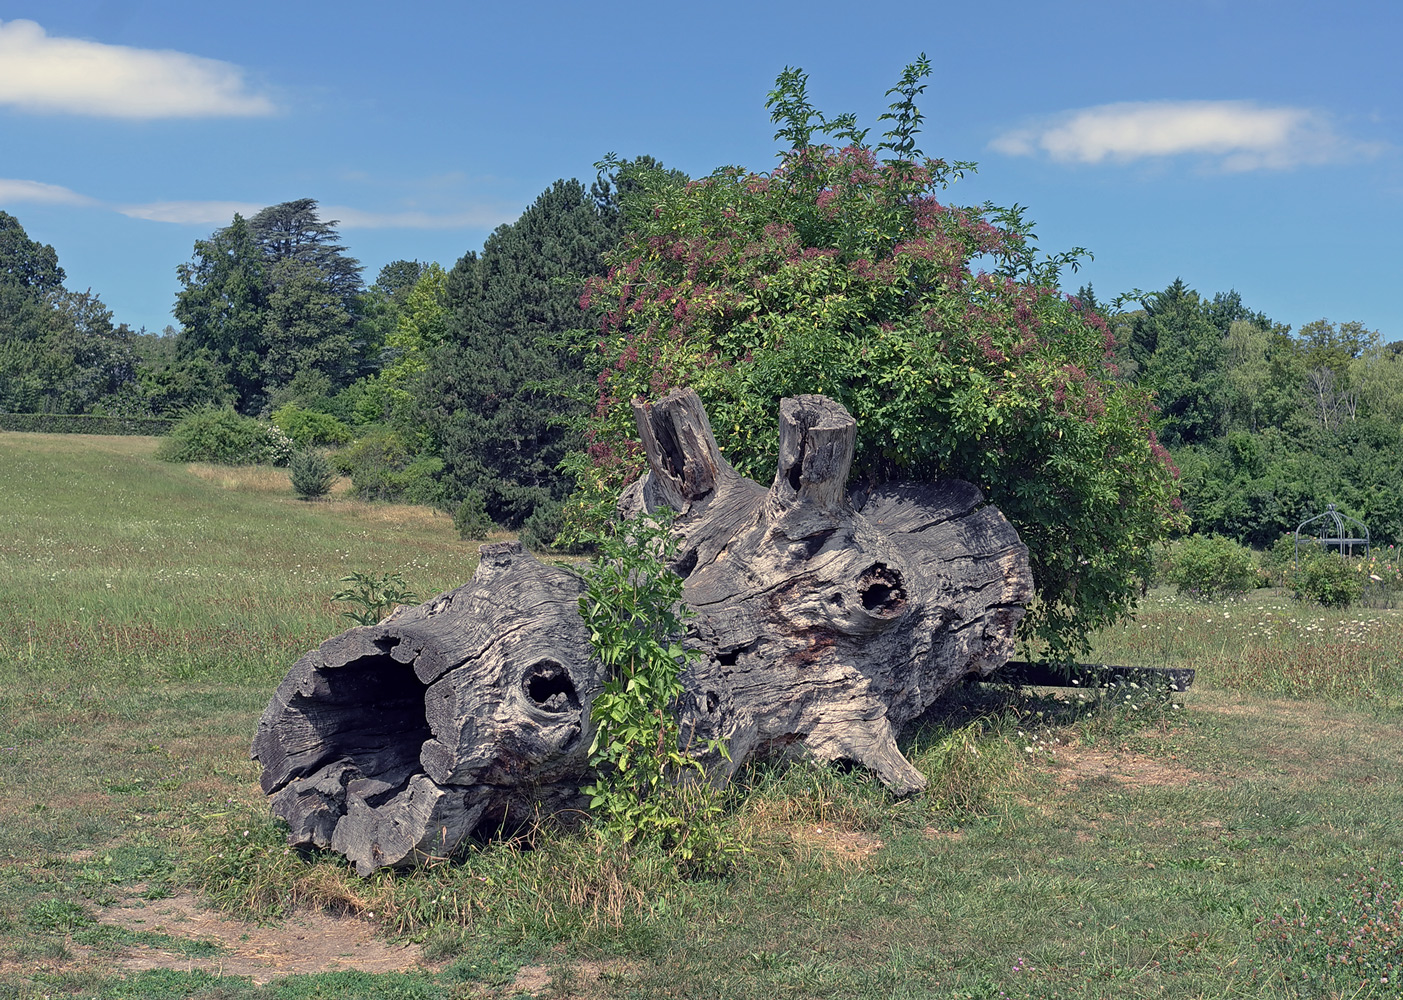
[[221, 213], [1238, 135], [484, 217], [12, 191], [213, 213], [44, 74]]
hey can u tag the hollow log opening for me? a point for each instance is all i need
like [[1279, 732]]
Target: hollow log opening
[[372, 712], [671, 449], [796, 471]]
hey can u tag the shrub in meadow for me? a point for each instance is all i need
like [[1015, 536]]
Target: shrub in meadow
[[226, 438], [1382, 577], [1210, 567], [383, 467], [311, 474], [309, 429], [1327, 578], [1278, 561]]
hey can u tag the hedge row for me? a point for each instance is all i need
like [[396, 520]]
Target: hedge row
[[83, 423]]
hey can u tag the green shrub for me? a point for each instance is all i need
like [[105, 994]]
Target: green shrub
[[847, 272], [311, 474], [420, 483], [1278, 560], [1326, 578], [471, 518], [310, 429], [382, 467], [226, 438], [1209, 567]]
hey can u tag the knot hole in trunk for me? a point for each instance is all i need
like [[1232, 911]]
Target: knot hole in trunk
[[550, 688], [881, 590]]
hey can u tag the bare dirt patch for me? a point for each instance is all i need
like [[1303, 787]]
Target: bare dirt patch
[[307, 942], [530, 979], [1079, 765], [577, 980], [844, 845]]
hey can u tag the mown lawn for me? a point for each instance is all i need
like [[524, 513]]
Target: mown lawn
[[1072, 844]]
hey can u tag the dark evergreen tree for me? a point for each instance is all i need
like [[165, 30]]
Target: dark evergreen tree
[[292, 231], [307, 327], [1227, 309], [1179, 353], [499, 397]]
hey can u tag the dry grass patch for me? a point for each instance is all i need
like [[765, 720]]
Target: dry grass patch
[[844, 846], [242, 478], [566, 980]]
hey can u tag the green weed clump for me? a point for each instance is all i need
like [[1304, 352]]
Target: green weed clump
[[373, 597], [649, 786], [225, 438]]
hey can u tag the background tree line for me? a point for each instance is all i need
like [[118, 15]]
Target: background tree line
[[477, 373], [1268, 425], [497, 386]]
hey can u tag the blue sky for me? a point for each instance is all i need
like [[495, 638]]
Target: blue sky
[[1248, 145]]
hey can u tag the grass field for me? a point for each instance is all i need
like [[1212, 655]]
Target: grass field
[[1241, 840]]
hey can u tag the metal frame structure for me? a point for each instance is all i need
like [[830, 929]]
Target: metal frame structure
[[1339, 540]]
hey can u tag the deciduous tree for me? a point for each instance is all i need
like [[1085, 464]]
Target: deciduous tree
[[843, 273], [271, 298]]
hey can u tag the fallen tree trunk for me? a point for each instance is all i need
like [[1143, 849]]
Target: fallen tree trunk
[[826, 619]]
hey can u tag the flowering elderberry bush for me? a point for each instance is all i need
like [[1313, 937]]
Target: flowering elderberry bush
[[842, 272]]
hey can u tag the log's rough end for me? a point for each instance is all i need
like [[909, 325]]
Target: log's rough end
[[827, 619], [392, 743]]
